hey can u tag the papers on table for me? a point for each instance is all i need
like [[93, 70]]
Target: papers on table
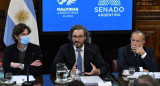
[[154, 74], [108, 83], [19, 79], [91, 80]]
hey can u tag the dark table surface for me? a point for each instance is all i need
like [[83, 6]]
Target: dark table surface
[[116, 79]]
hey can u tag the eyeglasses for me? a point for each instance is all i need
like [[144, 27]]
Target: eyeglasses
[[79, 37]]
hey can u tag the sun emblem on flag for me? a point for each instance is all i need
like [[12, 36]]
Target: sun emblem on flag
[[22, 16]]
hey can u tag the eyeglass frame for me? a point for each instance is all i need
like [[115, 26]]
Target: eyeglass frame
[[79, 37]]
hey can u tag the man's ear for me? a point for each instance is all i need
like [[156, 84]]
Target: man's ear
[[16, 37], [85, 37], [144, 42]]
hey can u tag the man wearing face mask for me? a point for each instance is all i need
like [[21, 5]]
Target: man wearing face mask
[[78, 54], [22, 56], [136, 55]]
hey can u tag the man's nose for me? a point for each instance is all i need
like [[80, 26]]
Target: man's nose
[[134, 43], [77, 39]]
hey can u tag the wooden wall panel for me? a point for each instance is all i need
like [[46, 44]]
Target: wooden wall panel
[[148, 21], [4, 4], [152, 38]]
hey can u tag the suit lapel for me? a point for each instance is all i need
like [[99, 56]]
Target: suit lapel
[[131, 56], [28, 56], [73, 57], [16, 53]]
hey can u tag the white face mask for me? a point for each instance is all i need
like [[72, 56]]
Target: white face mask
[[25, 40]]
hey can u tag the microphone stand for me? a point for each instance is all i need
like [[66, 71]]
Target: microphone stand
[[27, 83], [108, 78]]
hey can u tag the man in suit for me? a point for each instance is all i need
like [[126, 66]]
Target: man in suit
[[136, 55], [91, 61], [22, 57]]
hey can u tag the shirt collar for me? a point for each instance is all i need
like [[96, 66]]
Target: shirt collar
[[76, 48], [22, 50]]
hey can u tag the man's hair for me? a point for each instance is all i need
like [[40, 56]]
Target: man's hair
[[139, 32], [79, 27], [145, 80], [18, 29], [75, 83]]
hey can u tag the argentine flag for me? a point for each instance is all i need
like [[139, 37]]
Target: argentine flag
[[21, 11]]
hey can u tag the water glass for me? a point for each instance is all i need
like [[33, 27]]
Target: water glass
[[72, 73], [62, 73], [8, 76], [131, 70]]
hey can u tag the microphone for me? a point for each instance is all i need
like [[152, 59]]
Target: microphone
[[108, 78], [28, 83]]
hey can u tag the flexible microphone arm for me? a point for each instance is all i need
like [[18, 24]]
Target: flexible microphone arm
[[109, 73], [28, 83], [108, 67]]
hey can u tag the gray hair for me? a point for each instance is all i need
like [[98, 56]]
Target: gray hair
[[139, 32], [149, 81]]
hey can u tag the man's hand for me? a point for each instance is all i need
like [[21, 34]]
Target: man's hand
[[36, 63], [15, 65], [94, 71], [138, 50], [74, 67]]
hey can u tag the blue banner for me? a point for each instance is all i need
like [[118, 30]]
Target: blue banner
[[96, 15]]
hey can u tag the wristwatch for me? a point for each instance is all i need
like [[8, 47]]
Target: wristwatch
[[21, 67]]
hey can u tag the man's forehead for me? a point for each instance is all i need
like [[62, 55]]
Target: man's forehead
[[137, 35], [78, 32]]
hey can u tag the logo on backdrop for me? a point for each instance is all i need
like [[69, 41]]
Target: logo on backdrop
[[109, 8], [109, 2], [68, 2], [69, 11]]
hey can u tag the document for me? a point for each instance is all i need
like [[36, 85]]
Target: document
[[19, 79], [22, 77], [154, 74], [91, 80]]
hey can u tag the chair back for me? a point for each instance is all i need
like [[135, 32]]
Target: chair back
[[115, 65]]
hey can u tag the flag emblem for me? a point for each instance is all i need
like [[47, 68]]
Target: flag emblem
[[22, 16]]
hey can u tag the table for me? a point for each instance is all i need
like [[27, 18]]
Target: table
[[117, 81]]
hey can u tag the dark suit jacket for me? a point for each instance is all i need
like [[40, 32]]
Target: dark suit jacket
[[127, 58], [66, 54], [11, 54]]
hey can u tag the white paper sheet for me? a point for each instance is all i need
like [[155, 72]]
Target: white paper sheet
[[19, 79], [22, 77], [91, 80], [154, 74]]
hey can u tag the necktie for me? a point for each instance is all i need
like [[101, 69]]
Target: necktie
[[79, 61], [137, 60]]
